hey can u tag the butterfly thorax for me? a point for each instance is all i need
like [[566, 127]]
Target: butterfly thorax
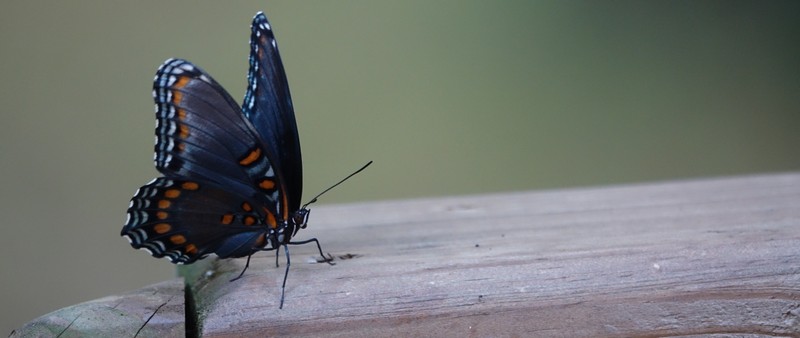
[[283, 233]]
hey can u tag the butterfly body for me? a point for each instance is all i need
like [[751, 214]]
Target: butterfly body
[[232, 175]]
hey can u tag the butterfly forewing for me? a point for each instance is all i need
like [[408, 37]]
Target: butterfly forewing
[[202, 134], [268, 105]]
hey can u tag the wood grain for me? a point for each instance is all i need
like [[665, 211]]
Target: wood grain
[[717, 257], [153, 311], [714, 256]]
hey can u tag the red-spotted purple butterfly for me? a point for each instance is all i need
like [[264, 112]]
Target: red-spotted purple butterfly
[[232, 175]]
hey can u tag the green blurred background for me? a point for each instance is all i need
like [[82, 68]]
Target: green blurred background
[[447, 97]]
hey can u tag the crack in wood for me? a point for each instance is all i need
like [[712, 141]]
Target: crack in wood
[[151, 317], [68, 326]]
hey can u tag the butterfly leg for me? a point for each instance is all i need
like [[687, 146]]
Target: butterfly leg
[[285, 275], [246, 265], [328, 259]]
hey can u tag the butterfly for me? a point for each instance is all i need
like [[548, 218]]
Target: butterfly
[[232, 175]]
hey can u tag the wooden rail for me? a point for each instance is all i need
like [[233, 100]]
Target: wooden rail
[[711, 256]]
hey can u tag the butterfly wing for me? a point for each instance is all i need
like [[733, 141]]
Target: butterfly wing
[[186, 220], [203, 140], [268, 105], [202, 134]]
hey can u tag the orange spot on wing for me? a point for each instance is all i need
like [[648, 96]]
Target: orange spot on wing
[[251, 157], [176, 97], [284, 207], [266, 184], [246, 207], [162, 215], [181, 114], [271, 221], [190, 186], [191, 249], [182, 81], [163, 204], [184, 131], [249, 220], [177, 239], [172, 193], [162, 228], [227, 219]]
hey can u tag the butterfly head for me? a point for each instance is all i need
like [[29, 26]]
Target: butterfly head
[[300, 219]]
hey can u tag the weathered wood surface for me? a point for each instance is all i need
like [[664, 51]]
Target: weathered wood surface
[[715, 256], [153, 311], [683, 258]]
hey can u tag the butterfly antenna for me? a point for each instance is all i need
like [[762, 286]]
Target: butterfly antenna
[[337, 183]]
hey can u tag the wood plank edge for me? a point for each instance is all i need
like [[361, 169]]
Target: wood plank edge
[[157, 310]]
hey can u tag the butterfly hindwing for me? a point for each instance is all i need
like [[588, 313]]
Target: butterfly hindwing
[[185, 220]]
